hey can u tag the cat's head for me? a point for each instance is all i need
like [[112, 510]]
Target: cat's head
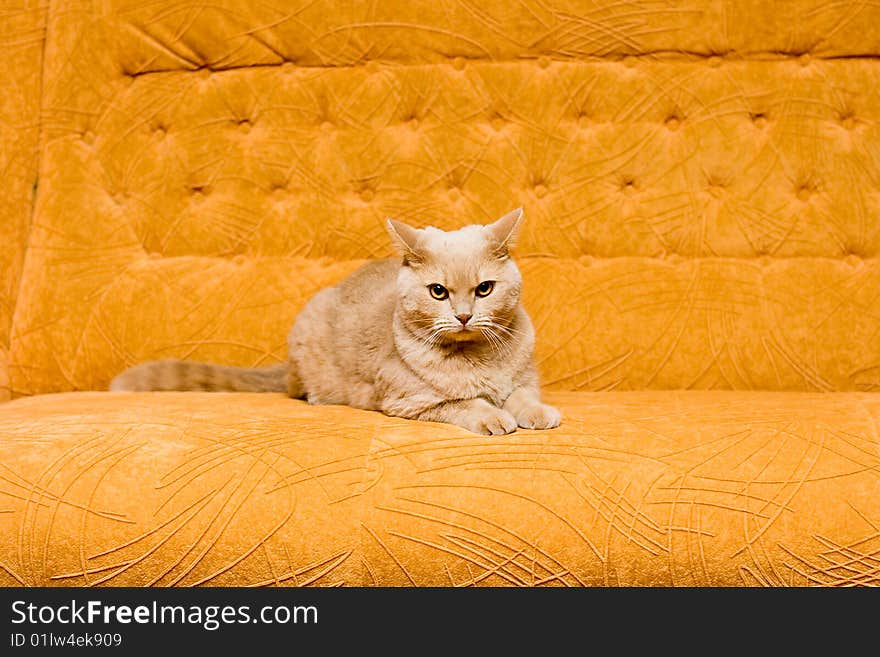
[[458, 286]]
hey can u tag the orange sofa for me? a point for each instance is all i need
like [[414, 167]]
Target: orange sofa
[[701, 183]]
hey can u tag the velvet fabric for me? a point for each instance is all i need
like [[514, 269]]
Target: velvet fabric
[[700, 185]]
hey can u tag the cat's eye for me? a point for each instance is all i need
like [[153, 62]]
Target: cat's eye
[[485, 288], [438, 291]]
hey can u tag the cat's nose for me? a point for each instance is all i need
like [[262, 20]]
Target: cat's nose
[[463, 318]]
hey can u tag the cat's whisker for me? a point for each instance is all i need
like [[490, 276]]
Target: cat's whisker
[[505, 334], [497, 340], [489, 337], [507, 329], [435, 337], [500, 347]]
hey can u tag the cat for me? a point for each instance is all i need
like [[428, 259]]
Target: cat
[[437, 334]]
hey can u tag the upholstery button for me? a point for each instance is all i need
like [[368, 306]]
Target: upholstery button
[[287, 68], [326, 126], [714, 61], [454, 193], [413, 123], [629, 61], [716, 190], [88, 137], [848, 121], [154, 255], [498, 124], [629, 188], [543, 61], [367, 195], [805, 59], [759, 119], [244, 125], [583, 119], [204, 74], [239, 259], [673, 123], [804, 193], [458, 63], [199, 192], [540, 191]]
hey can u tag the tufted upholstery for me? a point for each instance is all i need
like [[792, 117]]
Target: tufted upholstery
[[704, 213], [701, 182]]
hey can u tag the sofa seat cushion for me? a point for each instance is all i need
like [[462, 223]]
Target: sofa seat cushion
[[635, 488]]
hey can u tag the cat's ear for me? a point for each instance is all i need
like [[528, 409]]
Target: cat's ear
[[504, 231], [404, 238]]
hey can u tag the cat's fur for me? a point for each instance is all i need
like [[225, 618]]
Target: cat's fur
[[380, 341]]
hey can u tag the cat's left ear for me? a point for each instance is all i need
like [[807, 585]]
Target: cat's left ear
[[504, 231]]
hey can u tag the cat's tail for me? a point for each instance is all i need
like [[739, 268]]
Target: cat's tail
[[168, 375]]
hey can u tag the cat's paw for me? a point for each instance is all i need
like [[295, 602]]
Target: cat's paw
[[490, 422], [538, 416]]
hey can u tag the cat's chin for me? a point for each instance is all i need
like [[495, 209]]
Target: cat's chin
[[459, 337]]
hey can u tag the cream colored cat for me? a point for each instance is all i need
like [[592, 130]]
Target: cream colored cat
[[437, 335]]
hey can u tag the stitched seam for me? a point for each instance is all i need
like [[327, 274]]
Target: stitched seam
[[657, 56]]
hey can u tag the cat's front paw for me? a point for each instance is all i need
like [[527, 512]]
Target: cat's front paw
[[538, 416], [490, 422]]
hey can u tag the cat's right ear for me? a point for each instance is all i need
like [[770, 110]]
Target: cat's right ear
[[404, 238]]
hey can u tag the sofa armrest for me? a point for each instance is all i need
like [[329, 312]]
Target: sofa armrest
[[22, 32]]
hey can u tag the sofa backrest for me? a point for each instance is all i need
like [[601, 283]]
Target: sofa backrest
[[701, 180]]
